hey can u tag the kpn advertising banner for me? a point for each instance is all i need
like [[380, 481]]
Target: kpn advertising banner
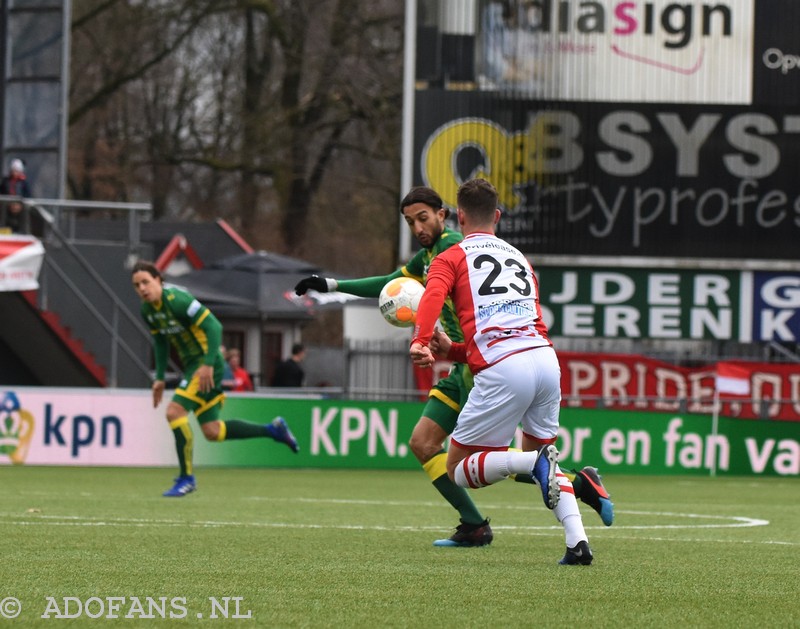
[[121, 427]]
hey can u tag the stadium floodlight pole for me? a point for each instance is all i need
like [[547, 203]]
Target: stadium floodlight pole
[[66, 51], [407, 143], [714, 429]]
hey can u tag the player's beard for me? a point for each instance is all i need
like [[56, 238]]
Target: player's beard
[[428, 240]]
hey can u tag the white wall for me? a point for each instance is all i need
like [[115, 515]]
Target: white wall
[[365, 323]]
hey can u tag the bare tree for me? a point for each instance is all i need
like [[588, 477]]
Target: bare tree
[[258, 111]]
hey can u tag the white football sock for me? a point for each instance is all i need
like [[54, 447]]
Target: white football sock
[[567, 512], [486, 468]]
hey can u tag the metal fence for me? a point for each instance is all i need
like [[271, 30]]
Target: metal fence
[[381, 370], [75, 283]]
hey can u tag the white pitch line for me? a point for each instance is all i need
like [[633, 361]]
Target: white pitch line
[[739, 521], [720, 521], [76, 520], [765, 542], [532, 531]]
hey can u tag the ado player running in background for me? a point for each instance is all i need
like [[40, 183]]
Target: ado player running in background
[[175, 318]]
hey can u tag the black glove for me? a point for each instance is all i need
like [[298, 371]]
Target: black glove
[[315, 282]]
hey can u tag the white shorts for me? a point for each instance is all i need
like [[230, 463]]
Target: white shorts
[[524, 388]]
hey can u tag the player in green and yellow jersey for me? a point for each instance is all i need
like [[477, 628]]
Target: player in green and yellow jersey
[[176, 319], [425, 214]]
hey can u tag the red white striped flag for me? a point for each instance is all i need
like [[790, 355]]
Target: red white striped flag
[[21, 260], [732, 379]]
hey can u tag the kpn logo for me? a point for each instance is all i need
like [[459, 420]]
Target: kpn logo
[[16, 428]]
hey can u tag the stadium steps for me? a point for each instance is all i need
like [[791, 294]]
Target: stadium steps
[[45, 349]]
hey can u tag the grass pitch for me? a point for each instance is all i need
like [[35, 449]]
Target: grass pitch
[[312, 548]]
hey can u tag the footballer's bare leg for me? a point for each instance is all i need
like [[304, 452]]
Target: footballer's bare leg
[[427, 439]]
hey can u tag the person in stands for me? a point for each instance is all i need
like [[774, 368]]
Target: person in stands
[[289, 373], [241, 379], [15, 183]]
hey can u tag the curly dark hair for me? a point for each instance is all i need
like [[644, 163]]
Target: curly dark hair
[[428, 196]]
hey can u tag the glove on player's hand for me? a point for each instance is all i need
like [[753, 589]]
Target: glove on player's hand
[[315, 282]]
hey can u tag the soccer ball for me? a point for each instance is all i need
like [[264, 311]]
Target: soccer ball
[[399, 301]]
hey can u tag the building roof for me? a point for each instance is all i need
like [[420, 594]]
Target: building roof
[[258, 285], [211, 241]]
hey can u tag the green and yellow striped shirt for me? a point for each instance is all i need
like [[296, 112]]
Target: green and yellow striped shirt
[[188, 326]]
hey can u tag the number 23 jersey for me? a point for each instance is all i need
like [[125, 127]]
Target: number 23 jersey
[[496, 298]]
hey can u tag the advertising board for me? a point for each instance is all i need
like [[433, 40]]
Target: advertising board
[[120, 428]]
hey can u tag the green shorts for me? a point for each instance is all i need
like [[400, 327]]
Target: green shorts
[[205, 406], [448, 396]]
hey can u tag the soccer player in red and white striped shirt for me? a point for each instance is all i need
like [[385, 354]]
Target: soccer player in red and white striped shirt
[[516, 371]]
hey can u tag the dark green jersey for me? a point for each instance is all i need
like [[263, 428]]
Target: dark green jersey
[[417, 267], [188, 326]]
